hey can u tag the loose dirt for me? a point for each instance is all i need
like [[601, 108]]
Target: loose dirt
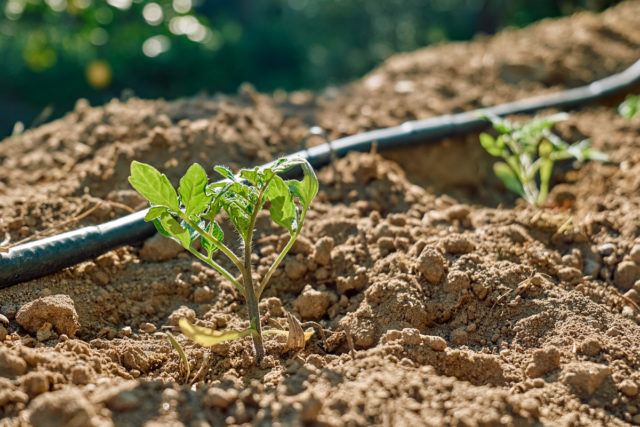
[[463, 305]]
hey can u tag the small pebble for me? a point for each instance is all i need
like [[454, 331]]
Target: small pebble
[[295, 269], [147, 327], [431, 264], [457, 212], [323, 249], [392, 335], [220, 399], [386, 245], [585, 377], [62, 407], [35, 383], [626, 275], [435, 343], [202, 294], [80, 375], [411, 336], [312, 304], [628, 388], [126, 400], [606, 249], [457, 244], [182, 312], [531, 405], [125, 332]]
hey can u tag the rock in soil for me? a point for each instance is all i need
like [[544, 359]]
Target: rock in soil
[[312, 304], [58, 310], [64, 408]]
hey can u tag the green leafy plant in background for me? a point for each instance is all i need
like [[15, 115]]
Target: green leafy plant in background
[[630, 106], [189, 216], [529, 151]]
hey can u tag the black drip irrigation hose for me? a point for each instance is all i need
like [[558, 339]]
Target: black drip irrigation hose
[[36, 259]]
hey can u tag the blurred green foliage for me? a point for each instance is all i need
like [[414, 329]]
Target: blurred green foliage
[[53, 52]]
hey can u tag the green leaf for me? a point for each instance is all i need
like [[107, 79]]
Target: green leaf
[[502, 126], [490, 144], [154, 212], [629, 107], [216, 232], [306, 189], [538, 124], [238, 201], [169, 227], [283, 209], [252, 176], [287, 163], [214, 210], [239, 218], [192, 190], [508, 177], [226, 172], [207, 337], [193, 233], [153, 185]]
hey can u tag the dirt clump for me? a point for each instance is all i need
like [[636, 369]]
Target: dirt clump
[[55, 310]]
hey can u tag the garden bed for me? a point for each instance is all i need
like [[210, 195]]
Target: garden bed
[[464, 305]]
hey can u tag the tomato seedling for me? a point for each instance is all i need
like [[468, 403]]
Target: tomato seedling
[[189, 216], [529, 151]]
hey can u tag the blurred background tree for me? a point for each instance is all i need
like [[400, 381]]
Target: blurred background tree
[[53, 52]]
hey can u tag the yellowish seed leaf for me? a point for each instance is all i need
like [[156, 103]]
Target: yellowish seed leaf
[[207, 337]]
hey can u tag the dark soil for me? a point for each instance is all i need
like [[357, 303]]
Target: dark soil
[[465, 306]]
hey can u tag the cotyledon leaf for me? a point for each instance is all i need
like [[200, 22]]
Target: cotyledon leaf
[[489, 144], [207, 337]]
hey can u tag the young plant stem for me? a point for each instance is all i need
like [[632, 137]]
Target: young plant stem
[[250, 292]]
